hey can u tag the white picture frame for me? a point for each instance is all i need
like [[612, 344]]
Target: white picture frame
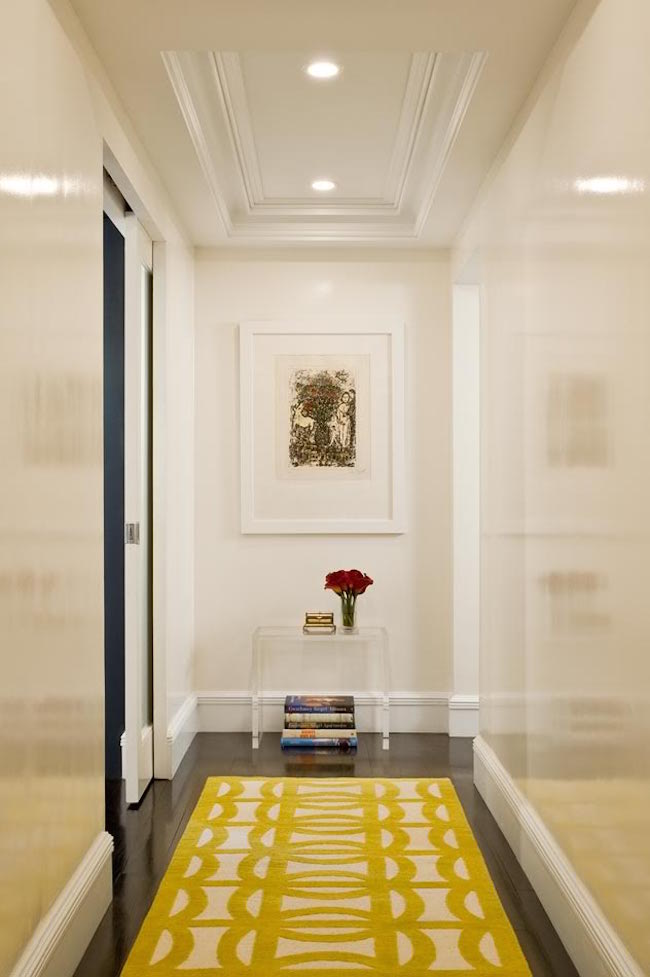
[[278, 498]]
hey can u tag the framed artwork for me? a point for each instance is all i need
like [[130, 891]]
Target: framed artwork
[[322, 426]]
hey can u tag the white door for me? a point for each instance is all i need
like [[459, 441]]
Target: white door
[[138, 645]]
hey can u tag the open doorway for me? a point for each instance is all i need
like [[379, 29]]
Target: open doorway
[[113, 496], [128, 655]]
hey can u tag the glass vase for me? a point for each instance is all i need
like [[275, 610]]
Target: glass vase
[[348, 614]]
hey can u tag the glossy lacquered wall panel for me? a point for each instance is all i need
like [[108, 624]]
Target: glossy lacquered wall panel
[[564, 249], [51, 619], [173, 385]]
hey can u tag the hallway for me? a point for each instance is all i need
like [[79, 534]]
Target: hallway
[[324, 412], [145, 838]]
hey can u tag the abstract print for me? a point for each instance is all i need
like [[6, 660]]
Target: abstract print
[[323, 416]]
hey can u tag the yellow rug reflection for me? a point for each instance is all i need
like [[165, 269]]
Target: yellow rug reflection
[[320, 877]]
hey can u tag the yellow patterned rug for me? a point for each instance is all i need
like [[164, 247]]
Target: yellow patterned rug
[[278, 876]]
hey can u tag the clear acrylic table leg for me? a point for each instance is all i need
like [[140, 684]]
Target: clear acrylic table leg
[[385, 711], [257, 725], [385, 723]]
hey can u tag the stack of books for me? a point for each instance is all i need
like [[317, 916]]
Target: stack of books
[[319, 722]]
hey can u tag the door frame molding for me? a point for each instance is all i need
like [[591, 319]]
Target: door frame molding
[[161, 758]]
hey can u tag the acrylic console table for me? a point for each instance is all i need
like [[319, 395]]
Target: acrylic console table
[[314, 664]]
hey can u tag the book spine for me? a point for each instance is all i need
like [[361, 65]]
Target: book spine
[[295, 704], [303, 758], [317, 734], [309, 718], [347, 724], [307, 744]]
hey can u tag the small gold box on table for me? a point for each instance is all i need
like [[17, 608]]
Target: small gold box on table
[[319, 622]]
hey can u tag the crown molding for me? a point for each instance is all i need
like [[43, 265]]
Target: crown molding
[[409, 130], [316, 231], [472, 68], [179, 84], [434, 106], [231, 90]]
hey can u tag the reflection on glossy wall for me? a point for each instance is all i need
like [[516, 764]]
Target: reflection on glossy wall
[[51, 622], [564, 236]]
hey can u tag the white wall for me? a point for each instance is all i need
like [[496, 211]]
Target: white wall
[[245, 581], [563, 234], [136, 176]]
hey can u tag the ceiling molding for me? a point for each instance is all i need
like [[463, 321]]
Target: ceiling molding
[[186, 104], [409, 129], [229, 82], [359, 232], [472, 72], [434, 106]]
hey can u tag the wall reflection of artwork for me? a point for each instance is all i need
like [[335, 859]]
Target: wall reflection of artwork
[[323, 419], [576, 601], [578, 421], [62, 421]]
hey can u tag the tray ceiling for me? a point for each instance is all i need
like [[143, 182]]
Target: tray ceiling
[[215, 93], [382, 131]]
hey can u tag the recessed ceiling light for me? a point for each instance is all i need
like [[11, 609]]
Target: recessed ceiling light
[[322, 69], [323, 185]]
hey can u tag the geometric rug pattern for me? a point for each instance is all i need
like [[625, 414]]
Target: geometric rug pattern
[[319, 877]]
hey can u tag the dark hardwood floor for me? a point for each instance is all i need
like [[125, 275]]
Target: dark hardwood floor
[[145, 838]]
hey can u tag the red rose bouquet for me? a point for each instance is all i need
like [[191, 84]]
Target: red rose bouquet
[[348, 584]]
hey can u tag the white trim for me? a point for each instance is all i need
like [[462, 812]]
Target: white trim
[[180, 733], [137, 768], [360, 698], [229, 81], [466, 510], [158, 473], [60, 939], [351, 232], [113, 201], [217, 115], [395, 523], [472, 67], [419, 87], [179, 84], [463, 715], [593, 945], [159, 481], [410, 712], [145, 757]]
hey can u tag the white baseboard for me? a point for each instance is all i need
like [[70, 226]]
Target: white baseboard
[[410, 712], [592, 944], [463, 715], [180, 733], [60, 939], [145, 760]]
